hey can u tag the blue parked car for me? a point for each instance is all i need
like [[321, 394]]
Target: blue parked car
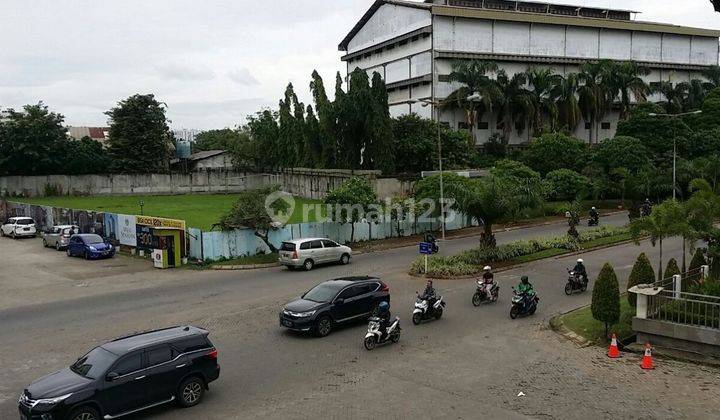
[[89, 246]]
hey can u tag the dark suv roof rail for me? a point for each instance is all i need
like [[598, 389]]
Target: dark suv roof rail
[[125, 337], [356, 278]]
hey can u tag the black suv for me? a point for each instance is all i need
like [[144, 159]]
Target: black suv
[[126, 375], [334, 301]]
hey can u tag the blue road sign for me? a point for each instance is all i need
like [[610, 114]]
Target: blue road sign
[[426, 248]]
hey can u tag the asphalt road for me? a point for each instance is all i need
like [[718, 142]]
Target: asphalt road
[[470, 364]]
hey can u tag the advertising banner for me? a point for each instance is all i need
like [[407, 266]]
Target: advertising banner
[[159, 222], [127, 234], [111, 226]]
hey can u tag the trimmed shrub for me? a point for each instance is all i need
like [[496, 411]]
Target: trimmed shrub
[[642, 273], [698, 260], [605, 304], [672, 269]]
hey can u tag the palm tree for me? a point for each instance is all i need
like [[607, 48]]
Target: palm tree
[[543, 82], [665, 221], [566, 98], [492, 197], [675, 96], [625, 79], [696, 93], [514, 105], [593, 94], [712, 73], [473, 75]]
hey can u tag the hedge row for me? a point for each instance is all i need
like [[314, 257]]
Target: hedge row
[[471, 261]]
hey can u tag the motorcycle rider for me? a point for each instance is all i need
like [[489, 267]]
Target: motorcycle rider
[[385, 317], [525, 288], [594, 215], [429, 294], [646, 207], [488, 281], [580, 270]]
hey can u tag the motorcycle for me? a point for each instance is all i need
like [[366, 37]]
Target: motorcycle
[[481, 296], [374, 335], [423, 311], [594, 221], [519, 308], [575, 282], [645, 211]]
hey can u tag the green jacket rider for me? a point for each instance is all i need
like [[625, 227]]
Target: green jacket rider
[[525, 287]]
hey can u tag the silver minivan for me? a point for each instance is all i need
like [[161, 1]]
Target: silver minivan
[[58, 237], [308, 252]]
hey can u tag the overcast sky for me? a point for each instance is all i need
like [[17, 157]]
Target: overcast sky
[[212, 61]]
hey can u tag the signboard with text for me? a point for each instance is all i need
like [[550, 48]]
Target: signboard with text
[[126, 230], [159, 222]]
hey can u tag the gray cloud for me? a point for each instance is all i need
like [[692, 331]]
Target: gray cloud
[[242, 76]]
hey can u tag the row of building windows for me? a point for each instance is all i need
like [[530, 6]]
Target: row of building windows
[[484, 125]]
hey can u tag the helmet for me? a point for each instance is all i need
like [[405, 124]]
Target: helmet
[[525, 279], [487, 268], [580, 260], [383, 307], [593, 208]]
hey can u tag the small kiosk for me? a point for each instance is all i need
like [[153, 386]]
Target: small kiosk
[[165, 238]]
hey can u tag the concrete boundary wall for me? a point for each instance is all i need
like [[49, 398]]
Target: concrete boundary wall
[[308, 183]]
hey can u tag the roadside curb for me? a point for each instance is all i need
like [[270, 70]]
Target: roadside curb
[[557, 325], [514, 266], [243, 267]]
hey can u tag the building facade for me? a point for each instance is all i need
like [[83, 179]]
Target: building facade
[[413, 45], [99, 134]]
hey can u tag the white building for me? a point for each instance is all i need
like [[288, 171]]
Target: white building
[[413, 45]]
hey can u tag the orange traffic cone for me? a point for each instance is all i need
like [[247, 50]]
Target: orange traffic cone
[[613, 351], [647, 362]]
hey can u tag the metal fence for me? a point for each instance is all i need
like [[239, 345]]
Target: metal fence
[[685, 308]]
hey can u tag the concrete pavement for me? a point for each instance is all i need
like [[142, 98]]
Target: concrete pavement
[[470, 364]]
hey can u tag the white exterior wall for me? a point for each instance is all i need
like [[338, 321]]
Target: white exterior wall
[[387, 23]]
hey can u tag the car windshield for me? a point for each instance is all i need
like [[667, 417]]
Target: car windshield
[[94, 364], [24, 222], [287, 246], [324, 292], [93, 239]]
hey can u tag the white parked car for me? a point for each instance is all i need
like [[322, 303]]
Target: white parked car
[[306, 253], [17, 227]]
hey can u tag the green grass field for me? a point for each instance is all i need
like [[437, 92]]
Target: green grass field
[[198, 211]]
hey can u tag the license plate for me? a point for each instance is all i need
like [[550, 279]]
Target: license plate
[[26, 229], [287, 323]]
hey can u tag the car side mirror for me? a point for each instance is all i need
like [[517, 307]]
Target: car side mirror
[[339, 301], [111, 376]]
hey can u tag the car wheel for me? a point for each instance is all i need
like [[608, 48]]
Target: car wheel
[[323, 326], [57, 246], [190, 392], [2, 233], [45, 245], [345, 259], [308, 265], [13, 235], [87, 255], [84, 413]]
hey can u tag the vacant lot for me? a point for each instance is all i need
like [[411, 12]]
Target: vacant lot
[[200, 211]]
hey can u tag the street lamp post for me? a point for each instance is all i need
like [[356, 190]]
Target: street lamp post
[[652, 114], [429, 102]]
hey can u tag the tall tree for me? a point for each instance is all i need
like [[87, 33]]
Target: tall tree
[[327, 124], [514, 105], [288, 129], [712, 73], [380, 152], [312, 153], [474, 78], [664, 221], [543, 82], [565, 94], [140, 140], [625, 83], [262, 152], [675, 96], [593, 94], [30, 140]]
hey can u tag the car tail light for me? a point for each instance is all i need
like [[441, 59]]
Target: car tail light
[[213, 354], [384, 288], [295, 255]]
